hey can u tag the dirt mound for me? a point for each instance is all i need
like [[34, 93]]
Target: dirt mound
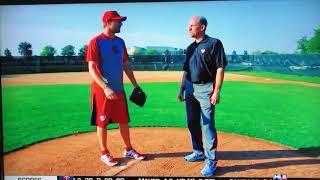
[[78, 155]]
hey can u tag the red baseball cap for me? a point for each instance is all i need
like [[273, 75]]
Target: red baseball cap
[[112, 15]]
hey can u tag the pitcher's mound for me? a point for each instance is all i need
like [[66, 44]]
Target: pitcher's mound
[[78, 155]]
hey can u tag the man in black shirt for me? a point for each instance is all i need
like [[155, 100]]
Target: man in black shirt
[[202, 80]]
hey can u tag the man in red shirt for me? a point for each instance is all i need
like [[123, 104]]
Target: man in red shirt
[[107, 58]]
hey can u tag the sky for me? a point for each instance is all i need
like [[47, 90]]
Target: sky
[[240, 25]]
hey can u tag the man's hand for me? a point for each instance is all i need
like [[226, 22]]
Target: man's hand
[[110, 94], [215, 98], [181, 96]]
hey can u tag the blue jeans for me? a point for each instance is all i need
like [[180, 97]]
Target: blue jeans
[[200, 119]]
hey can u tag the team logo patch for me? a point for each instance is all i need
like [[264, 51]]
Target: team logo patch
[[102, 118], [203, 50], [115, 49]]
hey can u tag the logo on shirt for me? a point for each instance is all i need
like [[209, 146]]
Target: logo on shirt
[[203, 50], [115, 49], [102, 118]]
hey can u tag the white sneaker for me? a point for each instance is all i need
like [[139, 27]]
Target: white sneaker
[[108, 160], [133, 154]]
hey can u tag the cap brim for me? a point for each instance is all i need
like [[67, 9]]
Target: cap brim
[[122, 18]]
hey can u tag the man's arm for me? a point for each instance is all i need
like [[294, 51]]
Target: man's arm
[[129, 74], [182, 87], [184, 75], [97, 77], [220, 59], [215, 97]]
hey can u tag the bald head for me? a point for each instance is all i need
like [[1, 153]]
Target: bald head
[[200, 20], [197, 27]]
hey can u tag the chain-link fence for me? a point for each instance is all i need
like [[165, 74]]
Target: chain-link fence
[[308, 64]]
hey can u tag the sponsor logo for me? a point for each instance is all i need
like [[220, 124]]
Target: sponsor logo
[[280, 177], [66, 177]]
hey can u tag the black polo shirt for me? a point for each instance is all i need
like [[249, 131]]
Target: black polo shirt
[[202, 58]]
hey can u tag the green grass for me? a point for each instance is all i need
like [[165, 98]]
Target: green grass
[[286, 114], [310, 79]]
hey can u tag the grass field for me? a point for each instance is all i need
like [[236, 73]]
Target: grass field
[[285, 114], [310, 79]]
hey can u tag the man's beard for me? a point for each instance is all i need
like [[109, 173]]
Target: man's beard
[[117, 30]]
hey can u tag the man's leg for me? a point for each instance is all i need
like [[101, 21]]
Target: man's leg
[[125, 134], [209, 132], [202, 94], [193, 122], [129, 152], [210, 140], [102, 137], [105, 155], [100, 120]]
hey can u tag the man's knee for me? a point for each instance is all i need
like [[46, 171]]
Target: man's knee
[[194, 126], [124, 125], [100, 128]]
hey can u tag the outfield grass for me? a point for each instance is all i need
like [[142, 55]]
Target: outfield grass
[[310, 79], [286, 114]]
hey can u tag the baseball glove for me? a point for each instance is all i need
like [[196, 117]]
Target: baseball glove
[[138, 97]]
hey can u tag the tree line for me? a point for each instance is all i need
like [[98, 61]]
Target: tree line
[[310, 45], [25, 50], [305, 45]]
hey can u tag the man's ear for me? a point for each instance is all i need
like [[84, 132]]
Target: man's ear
[[106, 23], [203, 27]]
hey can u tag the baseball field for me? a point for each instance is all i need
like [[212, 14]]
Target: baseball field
[[267, 124]]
